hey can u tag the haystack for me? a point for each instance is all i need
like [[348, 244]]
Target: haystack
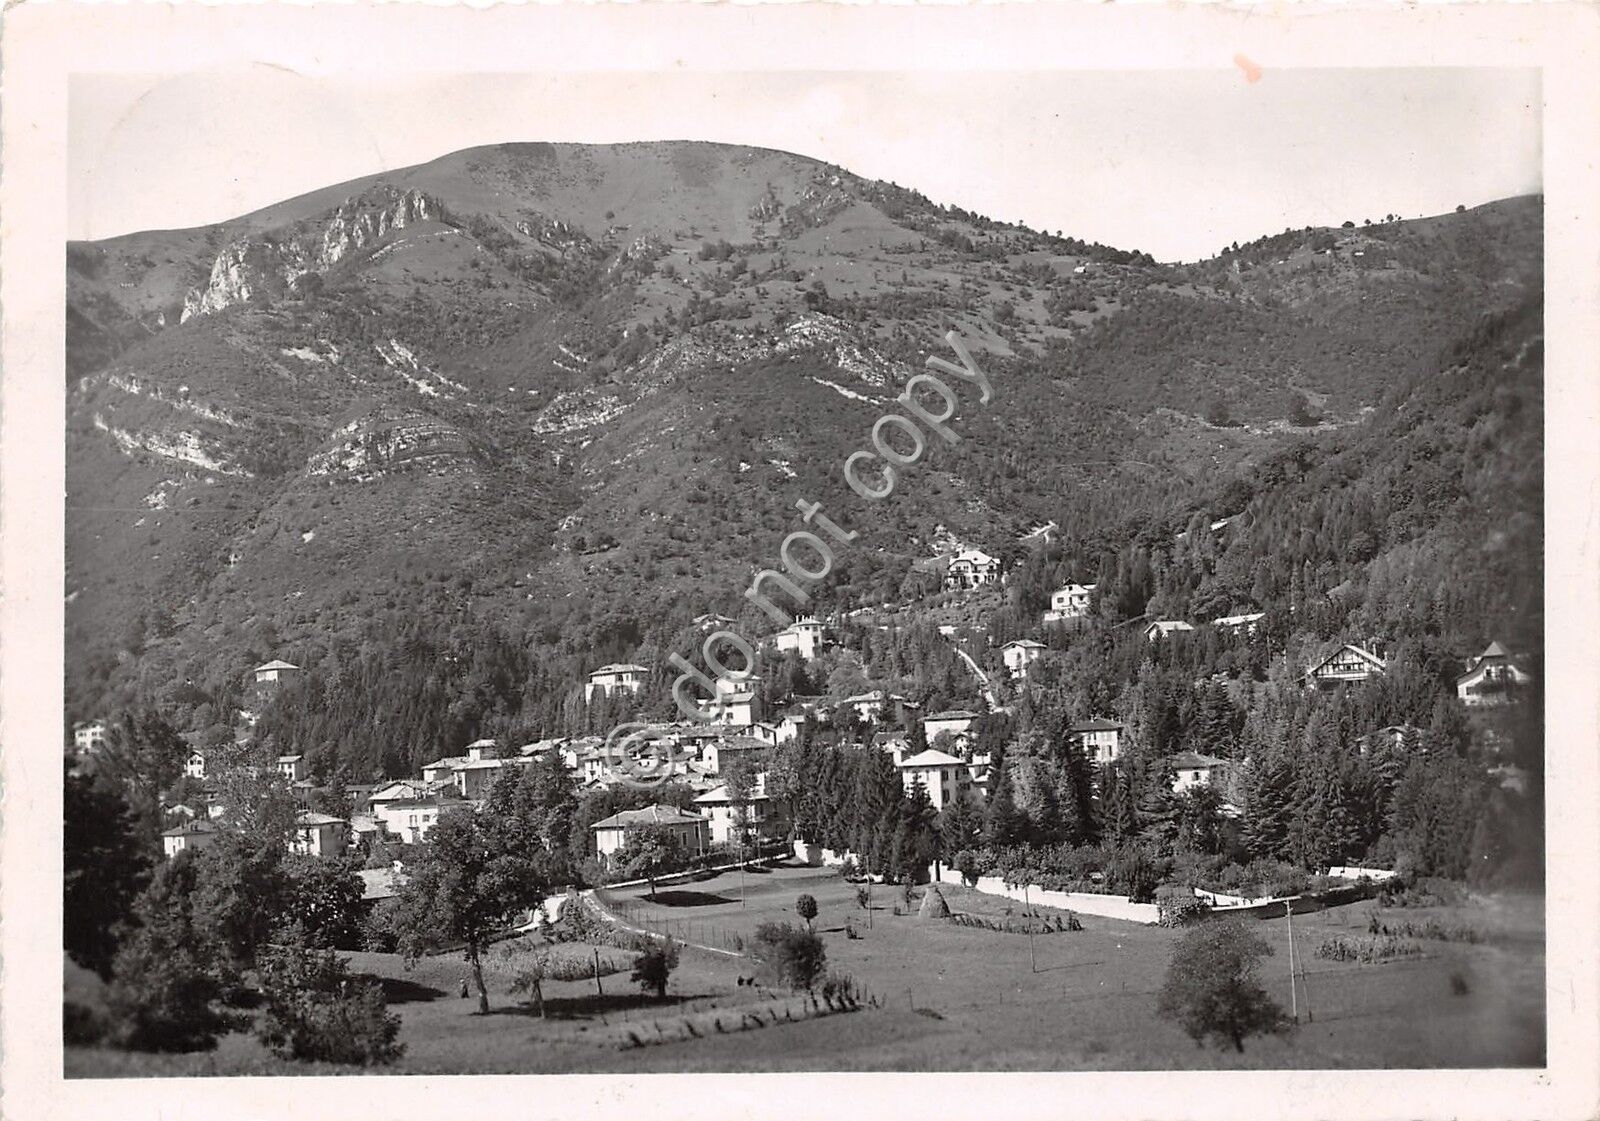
[[933, 905]]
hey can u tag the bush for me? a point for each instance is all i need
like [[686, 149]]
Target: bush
[[1211, 987], [1369, 950], [787, 955], [653, 967], [316, 1010], [806, 908], [1179, 906], [160, 997]]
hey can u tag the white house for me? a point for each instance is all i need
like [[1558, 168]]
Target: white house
[[1020, 653], [610, 833], [804, 636], [1491, 678], [1161, 628], [292, 767], [956, 721], [413, 818], [1240, 624], [791, 724], [617, 678], [971, 568], [319, 834], [737, 710], [189, 835], [1100, 739], [89, 737], [194, 764], [1346, 665], [275, 672], [1069, 602], [1191, 769], [722, 813], [720, 754], [877, 706], [941, 775]]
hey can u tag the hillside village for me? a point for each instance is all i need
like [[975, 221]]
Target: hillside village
[[390, 508]]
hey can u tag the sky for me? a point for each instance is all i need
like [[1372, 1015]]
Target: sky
[[1175, 163]]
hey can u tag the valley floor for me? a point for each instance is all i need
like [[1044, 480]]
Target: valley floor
[[952, 998]]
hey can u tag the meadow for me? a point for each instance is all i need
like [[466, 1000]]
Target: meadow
[[951, 997]]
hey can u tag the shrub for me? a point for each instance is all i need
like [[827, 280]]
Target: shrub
[[1458, 983], [653, 967], [806, 907], [967, 863], [1369, 950], [787, 955], [839, 990], [863, 897], [1211, 988], [160, 997], [316, 1010], [1179, 906]]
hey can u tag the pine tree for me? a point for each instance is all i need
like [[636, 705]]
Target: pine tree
[[1002, 824]]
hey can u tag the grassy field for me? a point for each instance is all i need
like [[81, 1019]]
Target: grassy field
[[957, 998]]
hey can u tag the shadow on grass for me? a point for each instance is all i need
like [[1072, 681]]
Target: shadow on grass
[[671, 898], [398, 990], [588, 1007]]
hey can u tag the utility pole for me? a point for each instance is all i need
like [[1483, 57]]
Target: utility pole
[[1295, 958], [1288, 916], [1033, 964], [597, 989]]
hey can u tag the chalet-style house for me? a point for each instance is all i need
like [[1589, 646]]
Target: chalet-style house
[[622, 677], [1491, 678], [610, 833], [1069, 602], [1191, 769], [194, 763], [293, 767], [1019, 654], [942, 776], [276, 672], [804, 636], [957, 721], [1162, 628], [1100, 739], [1347, 665], [971, 568]]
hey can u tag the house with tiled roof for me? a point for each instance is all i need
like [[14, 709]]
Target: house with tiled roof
[[610, 833], [1100, 739], [942, 775], [620, 677], [191, 835], [1019, 654], [319, 834], [1191, 769]]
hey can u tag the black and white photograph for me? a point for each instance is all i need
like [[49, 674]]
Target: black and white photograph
[[731, 571]]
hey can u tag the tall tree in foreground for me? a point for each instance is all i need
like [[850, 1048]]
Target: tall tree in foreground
[[105, 867], [463, 890], [651, 851], [1211, 987]]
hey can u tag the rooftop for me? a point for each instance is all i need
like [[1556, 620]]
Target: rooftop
[[619, 667], [650, 815], [277, 664], [931, 758], [1193, 759]]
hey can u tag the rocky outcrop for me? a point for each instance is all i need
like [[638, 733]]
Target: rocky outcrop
[[265, 266], [379, 444]]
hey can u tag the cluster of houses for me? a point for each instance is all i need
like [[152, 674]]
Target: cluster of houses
[[703, 756]]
